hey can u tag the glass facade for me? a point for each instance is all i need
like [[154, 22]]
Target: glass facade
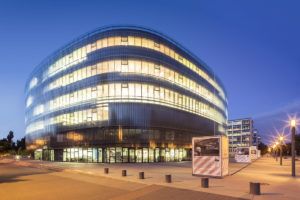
[[122, 94]]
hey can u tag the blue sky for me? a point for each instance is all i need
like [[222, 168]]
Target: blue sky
[[253, 46]]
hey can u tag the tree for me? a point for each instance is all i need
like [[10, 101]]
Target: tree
[[297, 143], [21, 144], [4, 145], [263, 148], [9, 137]]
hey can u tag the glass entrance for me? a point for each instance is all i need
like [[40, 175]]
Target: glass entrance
[[139, 155], [162, 155], [176, 155], [131, 155], [119, 154], [100, 155], [151, 155], [125, 155], [167, 157], [95, 155], [112, 155], [90, 155], [84, 155], [145, 155], [156, 154]]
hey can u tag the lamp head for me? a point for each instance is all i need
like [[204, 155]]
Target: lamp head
[[281, 138], [293, 123]]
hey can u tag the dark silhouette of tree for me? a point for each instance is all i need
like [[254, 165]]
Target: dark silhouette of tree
[[297, 143], [4, 145], [263, 148], [21, 144], [9, 137]]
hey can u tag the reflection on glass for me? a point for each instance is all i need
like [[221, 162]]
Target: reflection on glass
[[139, 155], [131, 155], [145, 155]]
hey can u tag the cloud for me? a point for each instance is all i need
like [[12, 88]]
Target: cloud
[[269, 124], [293, 106]]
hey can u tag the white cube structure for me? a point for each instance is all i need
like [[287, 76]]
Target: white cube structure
[[210, 156], [242, 155], [253, 152]]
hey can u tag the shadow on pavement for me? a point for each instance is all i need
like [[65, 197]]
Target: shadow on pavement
[[10, 173], [284, 175], [271, 193]]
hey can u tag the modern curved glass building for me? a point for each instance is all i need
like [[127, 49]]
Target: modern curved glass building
[[122, 94]]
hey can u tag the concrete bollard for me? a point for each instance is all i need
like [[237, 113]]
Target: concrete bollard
[[254, 188], [168, 178], [204, 182], [106, 170], [141, 175], [124, 173]]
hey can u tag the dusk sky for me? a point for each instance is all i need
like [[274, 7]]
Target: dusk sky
[[253, 46]]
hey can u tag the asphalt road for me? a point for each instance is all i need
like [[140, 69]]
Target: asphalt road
[[20, 182]]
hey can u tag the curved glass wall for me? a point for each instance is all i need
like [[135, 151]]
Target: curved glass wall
[[121, 80]]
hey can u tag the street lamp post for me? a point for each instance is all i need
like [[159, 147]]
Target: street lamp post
[[276, 151], [281, 139], [293, 125]]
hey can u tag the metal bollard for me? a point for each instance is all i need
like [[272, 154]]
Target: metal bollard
[[204, 182], [106, 170], [141, 175], [124, 173], [254, 188], [168, 178]]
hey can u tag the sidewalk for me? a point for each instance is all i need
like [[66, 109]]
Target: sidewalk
[[276, 182]]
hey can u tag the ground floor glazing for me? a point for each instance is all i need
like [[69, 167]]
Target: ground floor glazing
[[114, 155]]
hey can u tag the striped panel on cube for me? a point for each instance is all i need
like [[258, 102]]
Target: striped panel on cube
[[207, 165]]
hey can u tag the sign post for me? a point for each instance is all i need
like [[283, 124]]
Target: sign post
[[210, 156]]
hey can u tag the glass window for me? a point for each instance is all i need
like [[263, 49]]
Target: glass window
[[124, 90], [112, 90], [130, 40], [139, 155], [125, 155], [118, 89], [138, 41], [151, 155], [131, 90], [118, 65], [145, 155], [145, 67], [131, 155], [138, 90], [145, 90], [100, 155], [118, 154], [138, 66]]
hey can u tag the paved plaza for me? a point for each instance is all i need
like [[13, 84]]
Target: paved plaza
[[276, 182]]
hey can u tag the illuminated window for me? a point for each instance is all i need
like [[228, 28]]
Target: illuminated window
[[80, 54], [33, 82], [29, 101], [38, 109]]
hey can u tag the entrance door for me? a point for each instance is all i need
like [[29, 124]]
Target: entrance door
[[145, 155], [132, 155], [139, 155], [125, 155], [112, 155], [118, 154], [100, 155], [90, 155]]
